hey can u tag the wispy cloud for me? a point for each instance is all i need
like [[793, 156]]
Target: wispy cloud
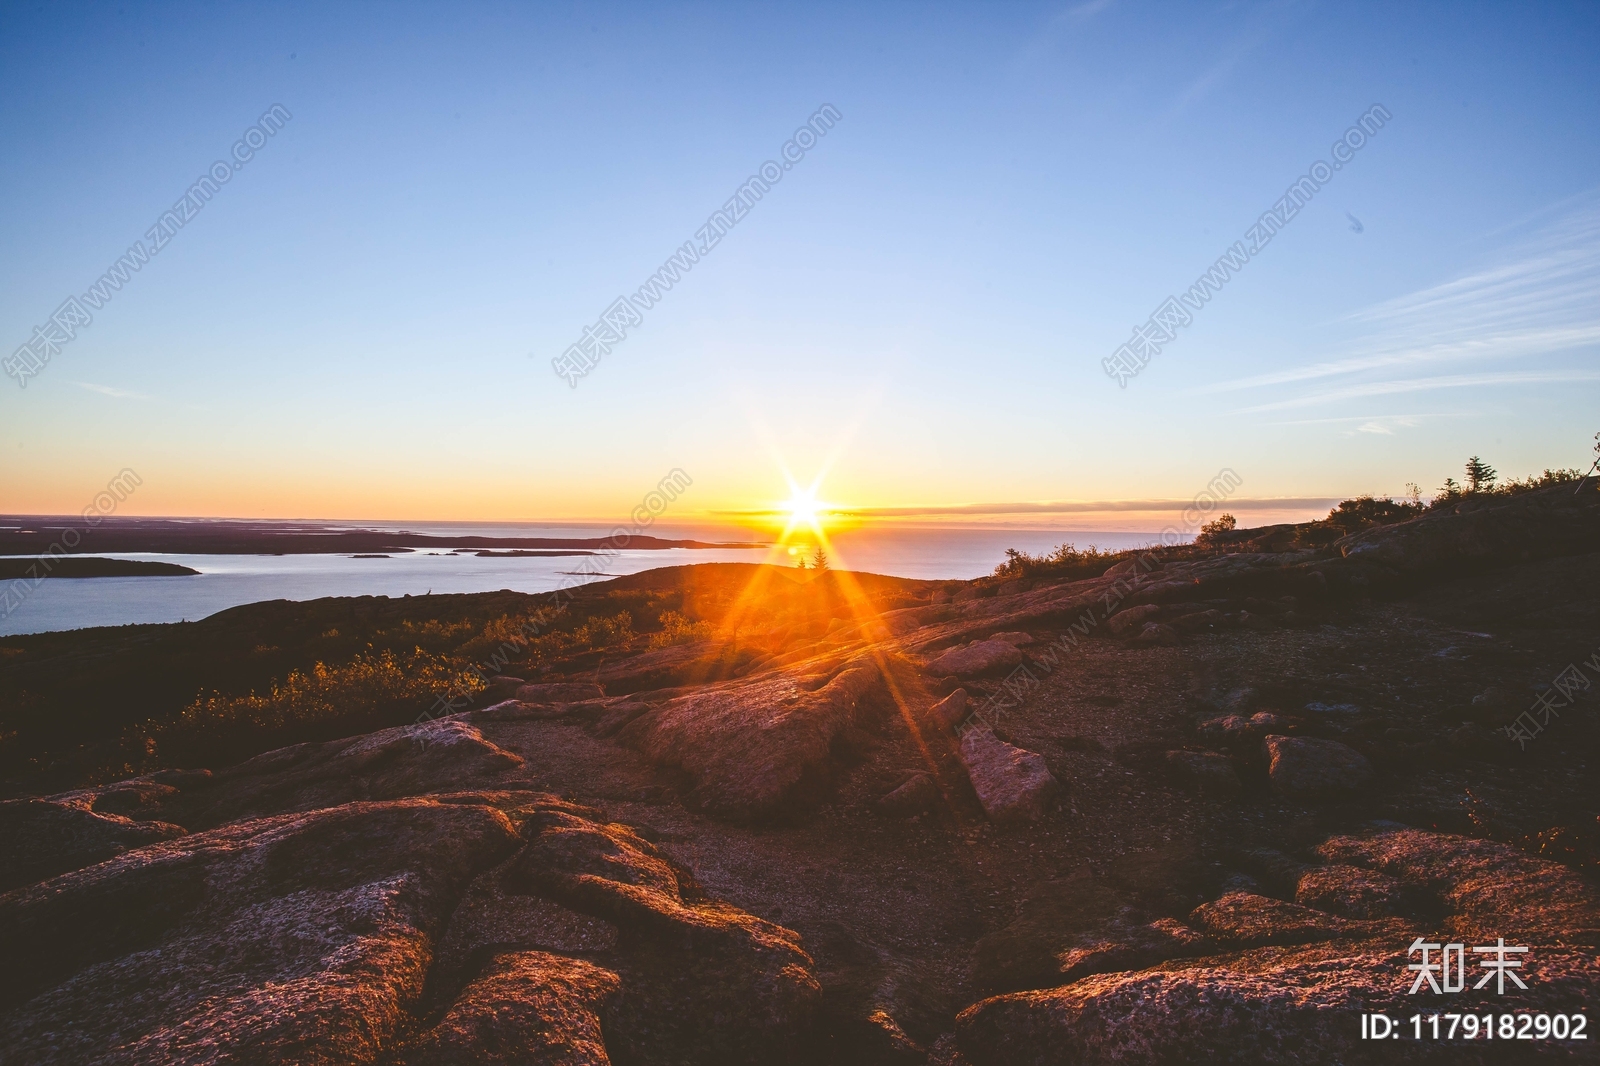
[[1059, 27], [1453, 381], [1408, 421], [1217, 73], [1048, 507], [1260, 25], [1541, 299], [1381, 425], [1085, 11], [107, 390]]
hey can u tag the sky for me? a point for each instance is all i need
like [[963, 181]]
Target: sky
[[360, 322]]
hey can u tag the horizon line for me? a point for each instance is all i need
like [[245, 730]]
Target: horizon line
[[722, 517]]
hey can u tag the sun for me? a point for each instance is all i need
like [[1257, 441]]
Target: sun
[[803, 509], [803, 514]]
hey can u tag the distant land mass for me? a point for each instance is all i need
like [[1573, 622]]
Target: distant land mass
[[61, 567], [520, 553], [34, 535]]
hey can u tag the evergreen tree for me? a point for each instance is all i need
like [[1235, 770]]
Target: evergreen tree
[[1480, 475]]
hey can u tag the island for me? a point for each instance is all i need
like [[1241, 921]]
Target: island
[[71, 566], [38, 535]]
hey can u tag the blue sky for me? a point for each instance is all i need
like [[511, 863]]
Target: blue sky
[[360, 323]]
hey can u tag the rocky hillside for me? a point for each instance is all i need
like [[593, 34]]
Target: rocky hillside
[[1191, 810]]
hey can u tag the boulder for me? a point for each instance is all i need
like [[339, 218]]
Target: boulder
[[1013, 784], [1279, 1004], [1229, 729], [436, 930], [1350, 892], [559, 692], [701, 981], [1268, 1007], [917, 796], [1025, 953], [1016, 638], [1492, 888], [527, 1007], [1265, 722], [1199, 621], [979, 657], [1157, 635], [1250, 920], [1075, 926], [1237, 729], [293, 938], [1130, 620], [1121, 944], [1306, 768], [435, 756], [950, 711], [754, 747], [1205, 772], [881, 1038], [40, 838]]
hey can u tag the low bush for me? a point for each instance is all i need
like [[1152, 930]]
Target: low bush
[[371, 691], [1067, 559], [1364, 512], [677, 629], [1484, 477]]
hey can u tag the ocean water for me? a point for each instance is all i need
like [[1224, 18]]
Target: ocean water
[[230, 580]]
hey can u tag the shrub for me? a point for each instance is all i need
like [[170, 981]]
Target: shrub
[[369, 692], [508, 636], [1538, 481], [1452, 492], [1067, 558], [1214, 529], [601, 632], [1364, 512], [677, 629]]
